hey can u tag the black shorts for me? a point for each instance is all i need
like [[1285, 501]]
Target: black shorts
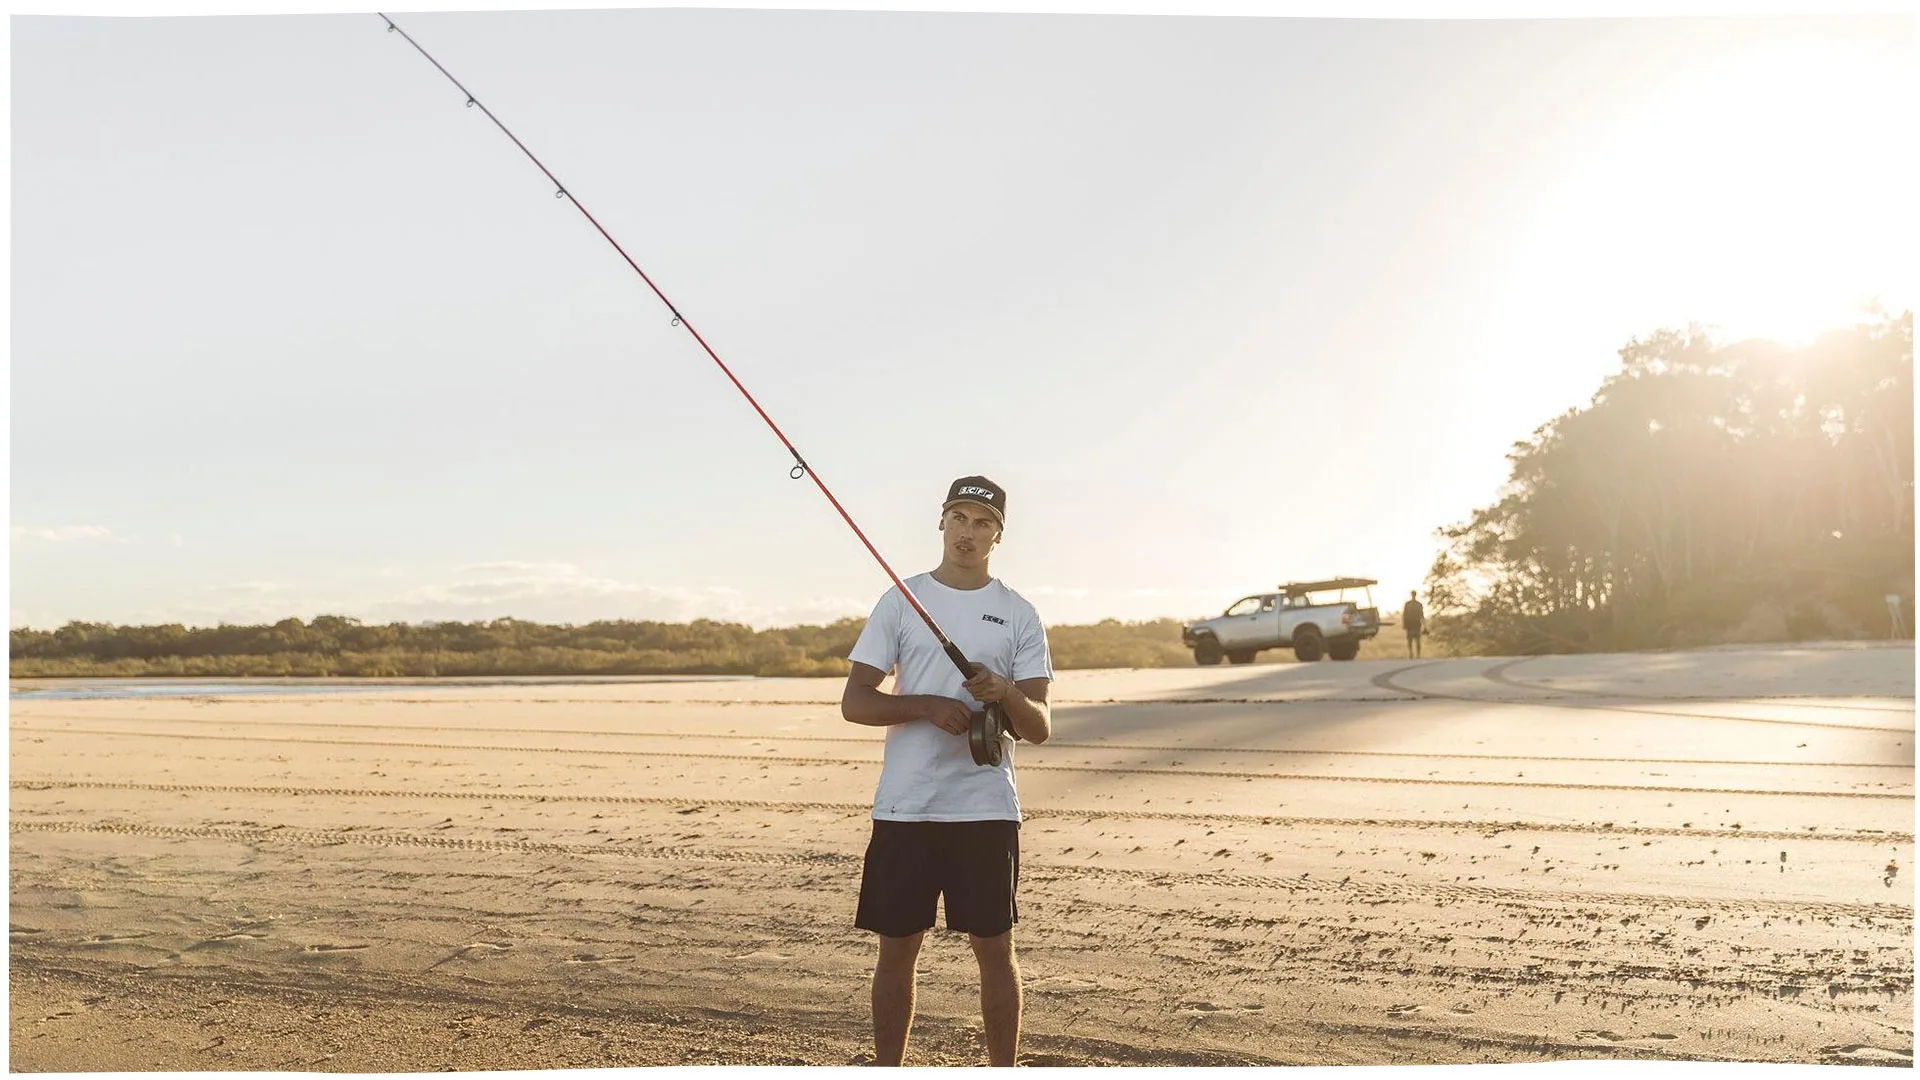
[[910, 864]]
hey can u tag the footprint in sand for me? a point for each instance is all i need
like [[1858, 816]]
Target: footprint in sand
[[761, 954], [1860, 1054], [1604, 1036], [1404, 1010], [1061, 984], [1460, 1010], [479, 950], [114, 939], [225, 940], [1060, 1061], [1204, 1008]]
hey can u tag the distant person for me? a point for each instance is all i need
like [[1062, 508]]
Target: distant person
[[943, 825], [1413, 618]]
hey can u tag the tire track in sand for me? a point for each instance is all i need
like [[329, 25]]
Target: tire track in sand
[[1100, 769], [1498, 673], [1418, 892], [1394, 695], [1385, 681], [1278, 820], [1058, 744]]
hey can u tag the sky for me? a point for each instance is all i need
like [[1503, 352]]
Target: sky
[[1221, 302]]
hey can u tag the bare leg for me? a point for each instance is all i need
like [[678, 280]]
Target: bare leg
[[1000, 996], [893, 997]]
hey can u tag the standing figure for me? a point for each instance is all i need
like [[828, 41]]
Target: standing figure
[[1413, 618], [942, 824]]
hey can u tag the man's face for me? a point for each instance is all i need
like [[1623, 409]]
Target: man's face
[[971, 533]]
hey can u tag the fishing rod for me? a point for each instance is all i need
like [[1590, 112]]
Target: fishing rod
[[987, 724]]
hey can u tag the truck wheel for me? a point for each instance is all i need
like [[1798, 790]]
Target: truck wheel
[[1241, 656], [1207, 651], [1343, 650], [1308, 645]]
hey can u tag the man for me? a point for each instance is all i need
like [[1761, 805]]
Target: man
[[943, 825], [1413, 617]]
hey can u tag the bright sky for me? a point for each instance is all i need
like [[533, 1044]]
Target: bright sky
[[1220, 302]]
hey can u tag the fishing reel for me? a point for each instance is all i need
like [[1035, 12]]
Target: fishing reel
[[984, 734], [988, 725]]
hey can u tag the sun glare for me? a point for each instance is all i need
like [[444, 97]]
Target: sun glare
[[1797, 213], [1762, 196]]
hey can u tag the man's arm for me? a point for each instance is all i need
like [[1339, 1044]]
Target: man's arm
[[862, 702], [1025, 702], [1028, 711]]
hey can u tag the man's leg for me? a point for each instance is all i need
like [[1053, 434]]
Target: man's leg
[[898, 898], [893, 997], [1000, 996]]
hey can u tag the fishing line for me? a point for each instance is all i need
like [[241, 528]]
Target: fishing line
[[985, 742]]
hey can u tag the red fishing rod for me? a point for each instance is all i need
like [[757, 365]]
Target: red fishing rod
[[987, 725]]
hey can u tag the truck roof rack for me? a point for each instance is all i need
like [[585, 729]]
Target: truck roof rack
[[1302, 588]]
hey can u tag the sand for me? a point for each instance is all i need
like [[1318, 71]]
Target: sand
[[1700, 856]]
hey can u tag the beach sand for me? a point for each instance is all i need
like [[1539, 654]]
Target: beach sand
[[1702, 855]]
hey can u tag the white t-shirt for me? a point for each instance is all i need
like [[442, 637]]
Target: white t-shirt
[[929, 774]]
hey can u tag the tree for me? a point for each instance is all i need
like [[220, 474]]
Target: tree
[[1706, 489]]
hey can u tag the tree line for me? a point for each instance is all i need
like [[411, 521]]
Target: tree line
[[333, 645], [1710, 493]]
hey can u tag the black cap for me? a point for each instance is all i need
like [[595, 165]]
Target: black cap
[[978, 489]]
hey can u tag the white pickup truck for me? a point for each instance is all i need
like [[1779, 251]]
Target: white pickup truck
[[1300, 617]]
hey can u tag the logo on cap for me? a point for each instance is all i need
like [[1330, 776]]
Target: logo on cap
[[982, 490]]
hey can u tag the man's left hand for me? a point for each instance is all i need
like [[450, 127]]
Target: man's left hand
[[988, 688]]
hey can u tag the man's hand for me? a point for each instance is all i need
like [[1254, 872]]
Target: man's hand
[[987, 687], [863, 703], [949, 714]]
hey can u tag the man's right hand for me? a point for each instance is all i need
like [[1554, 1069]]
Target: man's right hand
[[949, 715]]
